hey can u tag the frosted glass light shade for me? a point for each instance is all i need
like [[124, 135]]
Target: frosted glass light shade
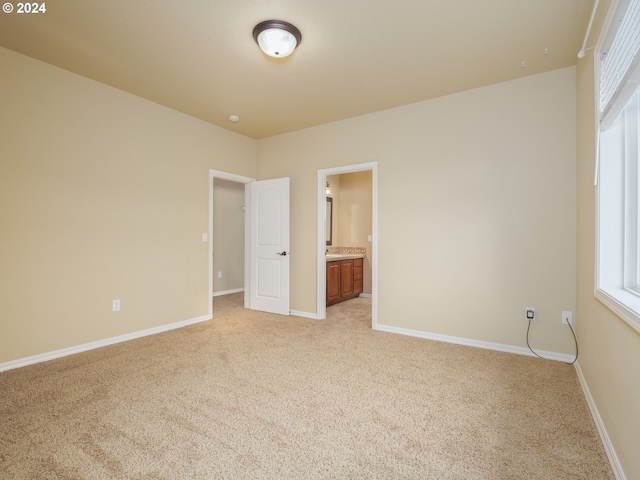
[[277, 43], [277, 38]]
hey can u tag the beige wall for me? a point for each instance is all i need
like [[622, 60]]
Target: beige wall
[[609, 348], [476, 208], [103, 196], [228, 235]]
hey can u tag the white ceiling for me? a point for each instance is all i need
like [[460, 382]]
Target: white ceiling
[[356, 56]]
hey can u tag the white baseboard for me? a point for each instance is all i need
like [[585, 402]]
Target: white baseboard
[[296, 313], [227, 292], [562, 357], [43, 357], [365, 295], [606, 441]]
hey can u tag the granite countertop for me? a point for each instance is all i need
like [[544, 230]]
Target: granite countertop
[[334, 257]]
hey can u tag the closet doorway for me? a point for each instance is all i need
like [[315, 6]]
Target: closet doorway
[[228, 264]]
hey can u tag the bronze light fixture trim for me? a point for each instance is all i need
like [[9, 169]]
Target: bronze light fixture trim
[[277, 38]]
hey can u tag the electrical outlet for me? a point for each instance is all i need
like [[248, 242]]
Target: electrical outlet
[[219, 274], [530, 313], [567, 317], [115, 306]]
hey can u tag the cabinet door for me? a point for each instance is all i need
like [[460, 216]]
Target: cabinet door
[[357, 276], [333, 282], [346, 278]]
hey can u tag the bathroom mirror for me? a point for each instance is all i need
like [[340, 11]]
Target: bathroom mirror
[[329, 220]]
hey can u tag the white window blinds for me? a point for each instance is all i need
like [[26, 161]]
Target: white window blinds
[[620, 62]]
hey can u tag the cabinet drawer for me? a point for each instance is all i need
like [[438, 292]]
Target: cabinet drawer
[[357, 273]]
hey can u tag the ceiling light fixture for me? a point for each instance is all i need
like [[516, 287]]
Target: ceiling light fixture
[[276, 38]]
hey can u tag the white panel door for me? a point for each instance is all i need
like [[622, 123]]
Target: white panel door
[[269, 246]]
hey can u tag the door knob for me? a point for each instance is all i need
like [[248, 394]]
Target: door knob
[[283, 253]]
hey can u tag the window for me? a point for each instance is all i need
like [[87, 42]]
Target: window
[[618, 201]]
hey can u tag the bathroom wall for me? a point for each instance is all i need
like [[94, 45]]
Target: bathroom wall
[[334, 183], [355, 217]]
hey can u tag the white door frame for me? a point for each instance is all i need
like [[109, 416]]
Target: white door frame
[[322, 244], [247, 232]]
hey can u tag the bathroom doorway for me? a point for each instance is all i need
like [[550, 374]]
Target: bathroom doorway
[[352, 222]]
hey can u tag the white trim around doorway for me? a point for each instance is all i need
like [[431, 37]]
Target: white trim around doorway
[[321, 246]]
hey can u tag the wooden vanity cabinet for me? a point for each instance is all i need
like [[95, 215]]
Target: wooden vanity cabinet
[[344, 280]]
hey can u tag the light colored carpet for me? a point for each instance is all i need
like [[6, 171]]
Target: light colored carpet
[[251, 395]]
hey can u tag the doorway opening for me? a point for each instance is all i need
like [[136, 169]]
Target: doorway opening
[[228, 190], [369, 241]]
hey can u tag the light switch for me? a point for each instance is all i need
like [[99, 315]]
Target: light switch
[[204, 237]]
